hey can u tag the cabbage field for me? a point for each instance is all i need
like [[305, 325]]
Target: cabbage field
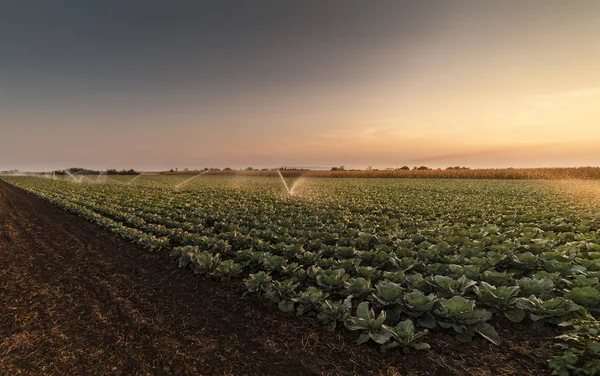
[[389, 258]]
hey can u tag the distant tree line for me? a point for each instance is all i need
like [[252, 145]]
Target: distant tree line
[[84, 171], [334, 168], [286, 168], [283, 168], [249, 168], [112, 171], [403, 168]]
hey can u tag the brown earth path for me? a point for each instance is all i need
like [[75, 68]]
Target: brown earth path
[[75, 300]]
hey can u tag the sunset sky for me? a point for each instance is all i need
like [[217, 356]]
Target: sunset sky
[[164, 84]]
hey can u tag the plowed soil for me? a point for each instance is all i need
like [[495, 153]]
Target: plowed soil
[[76, 300]]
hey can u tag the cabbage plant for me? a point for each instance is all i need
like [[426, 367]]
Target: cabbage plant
[[331, 280], [419, 306], [583, 281], [586, 296], [404, 335], [274, 263], [417, 282], [541, 287], [448, 286], [370, 324], [358, 287], [461, 315], [500, 299], [388, 294], [526, 261], [227, 269], [396, 277], [258, 282], [309, 300], [334, 312], [552, 310], [368, 272], [205, 262], [282, 293], [498, 278]]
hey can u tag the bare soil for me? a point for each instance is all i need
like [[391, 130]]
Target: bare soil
[[76, 300]]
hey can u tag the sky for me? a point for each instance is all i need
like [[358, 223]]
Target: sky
[[155, 85]]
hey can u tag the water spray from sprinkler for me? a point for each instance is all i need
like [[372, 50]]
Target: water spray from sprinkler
[[101, 172], [73, 177], [284, 183], [295, 185], [190, 179], [135, 178]]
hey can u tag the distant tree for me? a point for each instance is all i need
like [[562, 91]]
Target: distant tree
[[227, 169], [338, 168], [286, 168], [131, 171], [422, 168], [404, 168], [249, 169]]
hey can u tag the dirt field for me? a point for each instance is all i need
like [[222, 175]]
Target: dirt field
[[76, 300]]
